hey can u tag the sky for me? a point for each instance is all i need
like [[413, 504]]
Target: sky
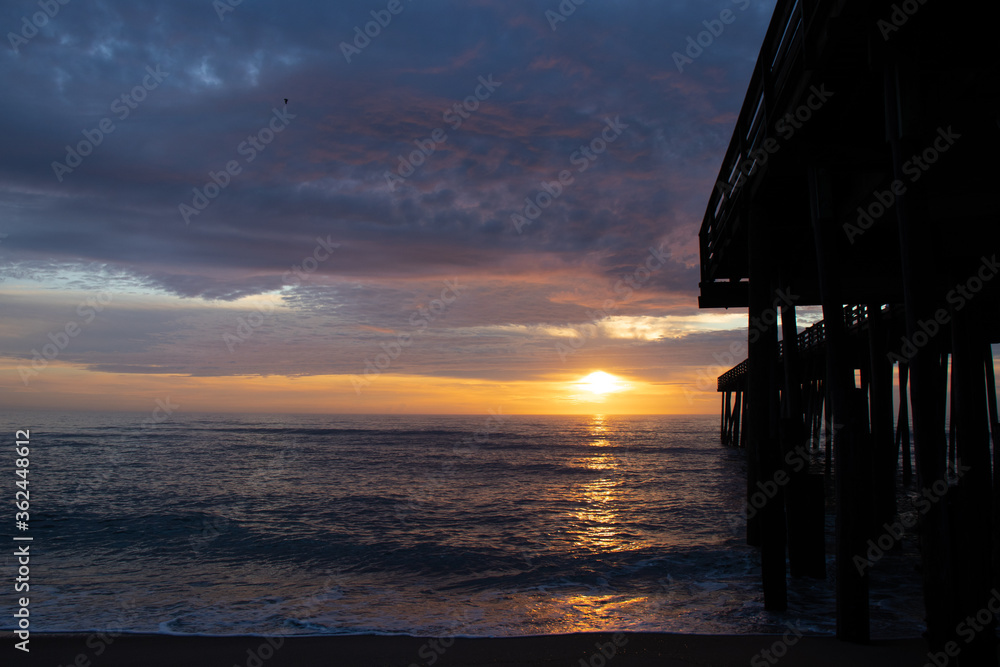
[[463, 207]]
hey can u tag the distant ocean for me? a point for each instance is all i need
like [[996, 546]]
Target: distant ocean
[[421, 525]]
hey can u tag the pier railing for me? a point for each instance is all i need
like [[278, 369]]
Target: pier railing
[[783, 44], [810, 340], [785, 52]]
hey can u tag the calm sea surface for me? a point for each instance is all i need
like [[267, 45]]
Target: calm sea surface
[[290, 524]]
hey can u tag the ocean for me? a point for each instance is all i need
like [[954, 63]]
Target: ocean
[[494, 525]]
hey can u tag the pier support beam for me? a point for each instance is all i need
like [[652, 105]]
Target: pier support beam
[[921, 298], [991, 402], [884, 457], [903, 425], [849, 461], [764, 456], [724, 426], [804, 504], [974, 506]]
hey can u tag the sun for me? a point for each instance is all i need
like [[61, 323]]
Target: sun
[[601, 383]]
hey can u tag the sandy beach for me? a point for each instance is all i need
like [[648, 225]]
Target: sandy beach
[[662, 650]]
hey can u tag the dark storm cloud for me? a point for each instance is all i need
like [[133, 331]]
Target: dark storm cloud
[[208, 86]]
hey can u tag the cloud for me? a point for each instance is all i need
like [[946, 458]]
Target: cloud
[[113, 222]]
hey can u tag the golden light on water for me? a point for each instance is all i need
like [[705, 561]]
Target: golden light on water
[[598, 427], [598, 525], [598, 515]]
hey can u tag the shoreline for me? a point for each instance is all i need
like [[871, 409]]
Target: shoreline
[[593, 648]]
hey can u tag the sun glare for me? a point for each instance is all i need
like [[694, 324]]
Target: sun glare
[[600, 382]]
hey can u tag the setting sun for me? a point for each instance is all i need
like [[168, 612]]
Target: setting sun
[[600, 382]]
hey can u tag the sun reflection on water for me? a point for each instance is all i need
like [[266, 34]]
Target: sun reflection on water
[[596, 520]]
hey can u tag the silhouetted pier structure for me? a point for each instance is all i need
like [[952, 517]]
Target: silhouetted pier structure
[[861, 177]]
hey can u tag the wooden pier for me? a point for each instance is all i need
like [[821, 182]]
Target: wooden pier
[[861, 177]]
